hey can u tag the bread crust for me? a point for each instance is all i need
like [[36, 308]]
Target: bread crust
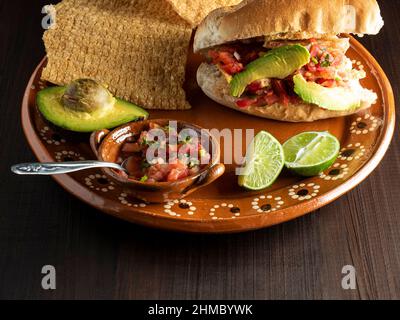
[[194, 11], [215, 86], [288, 18]]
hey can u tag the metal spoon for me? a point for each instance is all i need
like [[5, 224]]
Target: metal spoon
[[63, 167]]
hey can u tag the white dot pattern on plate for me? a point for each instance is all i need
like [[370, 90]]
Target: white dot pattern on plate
[[66, 155], [304, 191], [352, 152], [267, 203], [233, 210], [171, 208], [100, 183], [337, 172], [365, 125], [124, 199], [51, 138]]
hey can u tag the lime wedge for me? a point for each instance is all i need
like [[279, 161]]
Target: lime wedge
[[264, 162], [310, 153]]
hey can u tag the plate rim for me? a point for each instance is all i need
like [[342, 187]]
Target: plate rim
[[191, 225]]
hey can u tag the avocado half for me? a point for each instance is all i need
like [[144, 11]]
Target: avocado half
[[49, 103]]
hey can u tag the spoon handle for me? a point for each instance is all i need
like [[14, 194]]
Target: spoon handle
[[60, 167]]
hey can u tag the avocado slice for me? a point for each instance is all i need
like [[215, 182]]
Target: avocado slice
[[336, 99], [49, 103], [278, 63]]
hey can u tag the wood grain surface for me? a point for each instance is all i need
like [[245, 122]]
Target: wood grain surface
[[98, 257]]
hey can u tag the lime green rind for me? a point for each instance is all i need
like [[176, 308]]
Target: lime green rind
[[311, 171], [48, 102]]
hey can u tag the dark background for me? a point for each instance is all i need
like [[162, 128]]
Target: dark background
[[98, 257]]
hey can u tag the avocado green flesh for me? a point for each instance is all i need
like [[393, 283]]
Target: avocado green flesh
[[335, 99], [278, 63], [49, 104]]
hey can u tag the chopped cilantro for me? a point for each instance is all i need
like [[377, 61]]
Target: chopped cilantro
[[326, 63], [186, 140]]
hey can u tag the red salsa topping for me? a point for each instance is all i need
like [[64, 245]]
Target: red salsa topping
[[324, 68], [172, 157]]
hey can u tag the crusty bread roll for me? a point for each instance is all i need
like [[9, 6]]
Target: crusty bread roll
[[288, 19], [215, 86]]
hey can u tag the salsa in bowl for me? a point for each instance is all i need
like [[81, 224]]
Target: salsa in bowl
[[165, 159], [163, 154]]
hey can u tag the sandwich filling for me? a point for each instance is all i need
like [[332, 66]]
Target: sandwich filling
[[327, 73]]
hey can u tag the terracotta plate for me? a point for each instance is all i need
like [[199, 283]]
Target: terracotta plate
[[223, 206]]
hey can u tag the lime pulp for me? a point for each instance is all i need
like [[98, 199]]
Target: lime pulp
[[310, 153], [264, 162]]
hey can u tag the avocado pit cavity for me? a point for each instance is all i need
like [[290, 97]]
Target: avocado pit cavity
[[88, 96]]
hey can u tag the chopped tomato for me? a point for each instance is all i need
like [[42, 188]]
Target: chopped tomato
[[176, 174], [328, 83], [226, 60], [323, 64], [337, 60], [314, 50], [177, 170], [168, 172], [311, 67], [246, 102], [271, 98], [158, 172], [188, 149], [254, 87], [232, 59], [279, 88]]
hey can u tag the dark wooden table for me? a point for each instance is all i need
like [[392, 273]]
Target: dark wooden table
[[98, 257]]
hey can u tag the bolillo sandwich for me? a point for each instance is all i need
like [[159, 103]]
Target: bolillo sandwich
[[286, 59]]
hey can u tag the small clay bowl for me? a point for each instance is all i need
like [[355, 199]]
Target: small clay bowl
[[106, 145]]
